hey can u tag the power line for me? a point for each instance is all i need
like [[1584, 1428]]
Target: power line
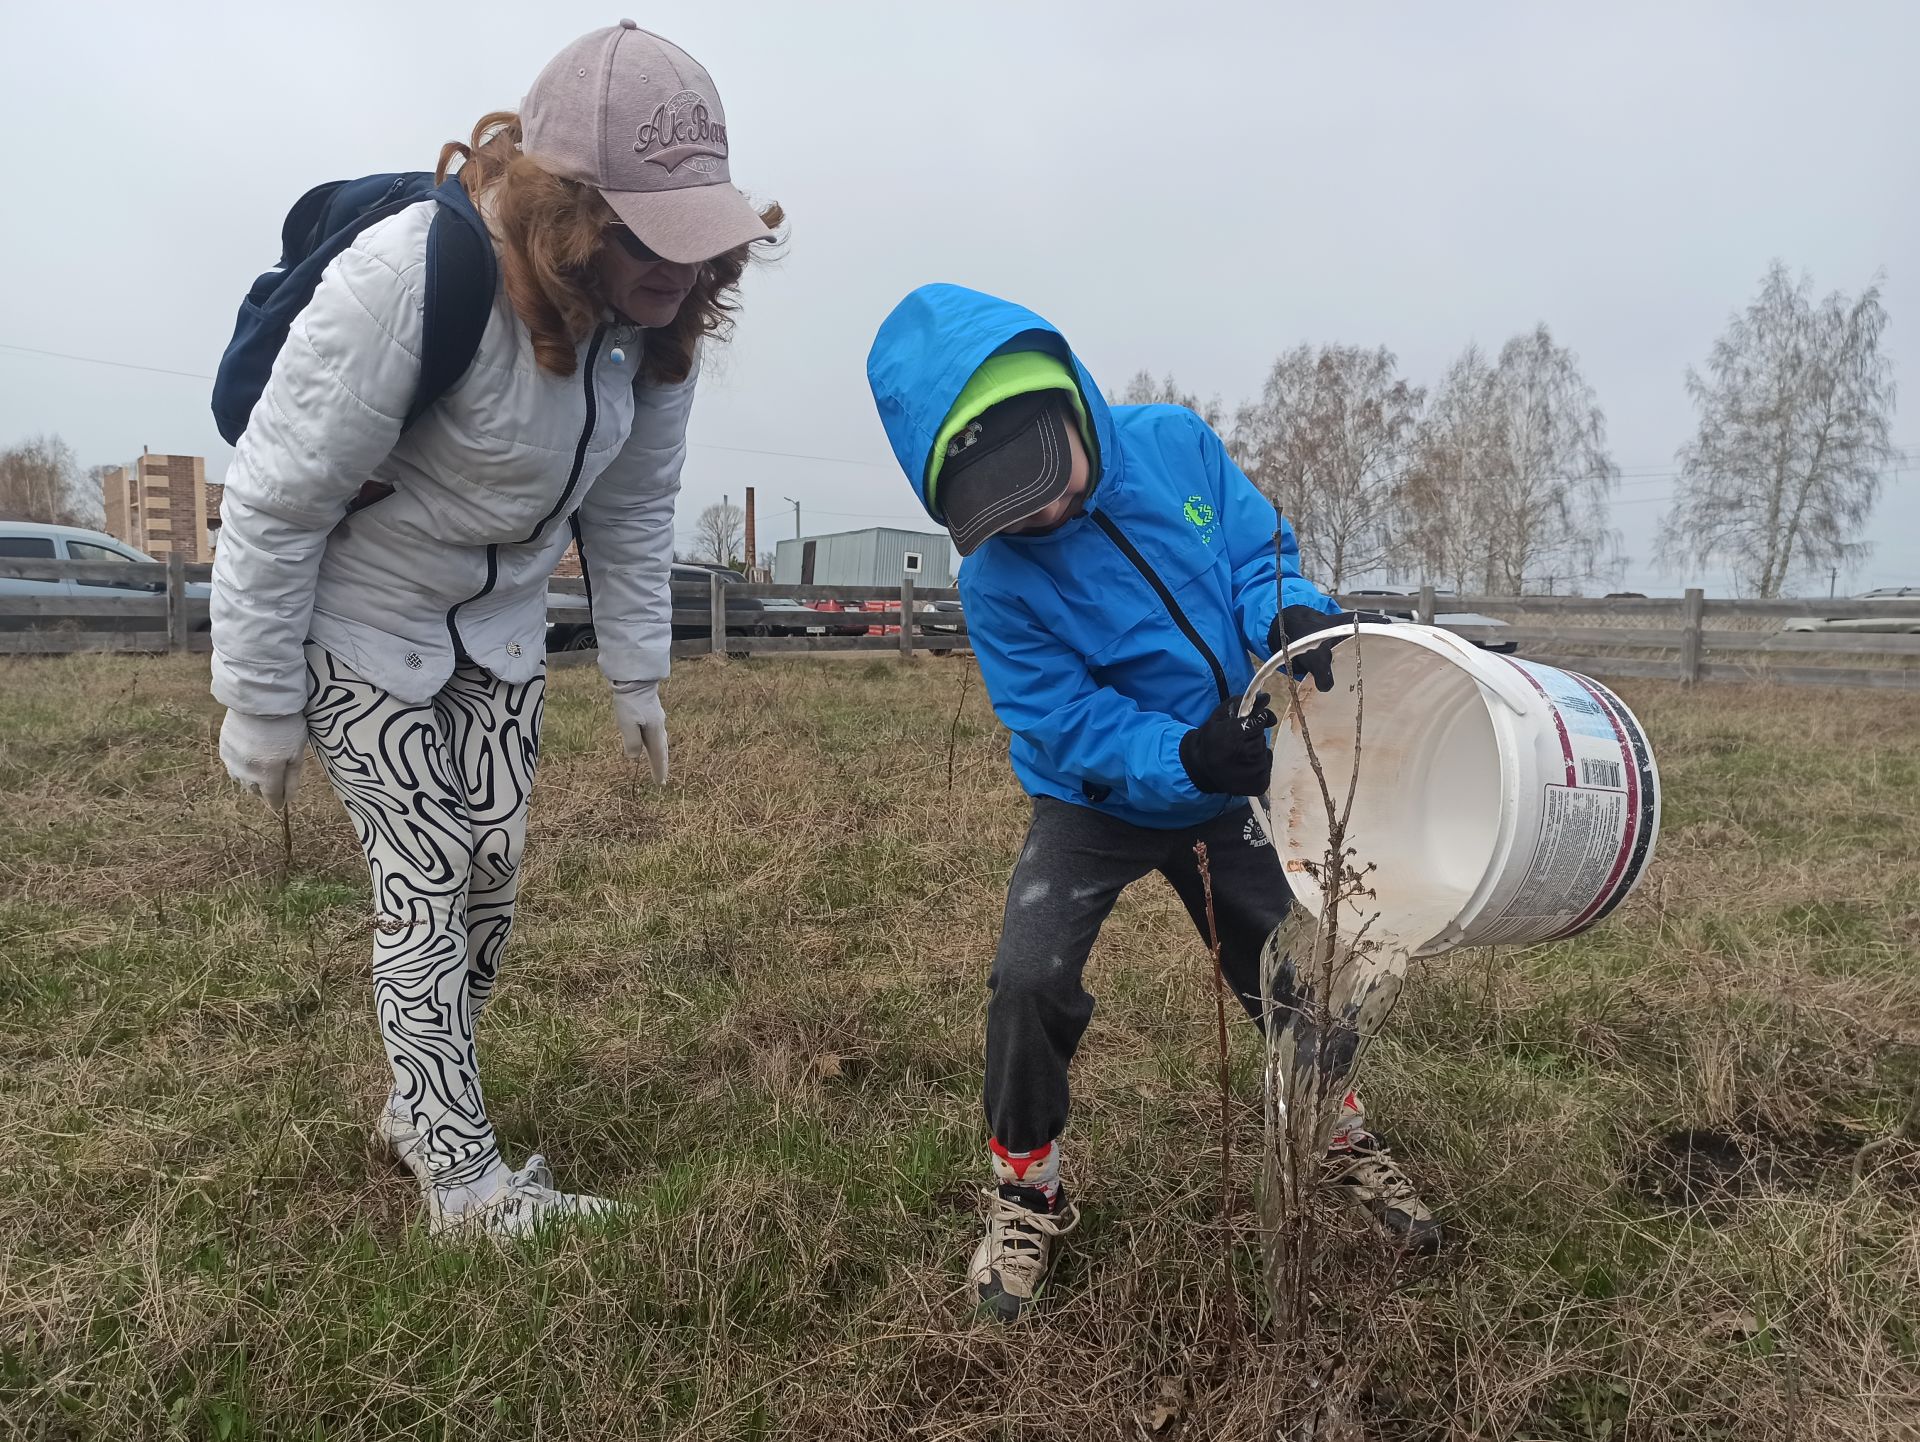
[[1623, 478], [869, 515], [198, 376], [791, 455], [98, 361]]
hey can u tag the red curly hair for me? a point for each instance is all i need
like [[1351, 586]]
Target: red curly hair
[[550, 234]]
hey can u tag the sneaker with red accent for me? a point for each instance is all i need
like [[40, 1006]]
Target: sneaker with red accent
[[1027, 1210], [1362, 1170]]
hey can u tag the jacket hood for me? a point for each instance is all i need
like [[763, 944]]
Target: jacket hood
[[927, 350]]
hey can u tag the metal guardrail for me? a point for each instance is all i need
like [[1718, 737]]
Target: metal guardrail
[[1682, 638]]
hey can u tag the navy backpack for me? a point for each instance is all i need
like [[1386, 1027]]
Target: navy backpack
[[460, 279]]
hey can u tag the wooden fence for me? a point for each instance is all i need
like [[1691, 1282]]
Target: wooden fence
[[1684, 638], [1691, 639], [728, 623], [138, 607]]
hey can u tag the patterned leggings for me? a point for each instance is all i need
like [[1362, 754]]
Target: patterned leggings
[[438, 794]]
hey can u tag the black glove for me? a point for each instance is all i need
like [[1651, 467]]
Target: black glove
[[1293, 622], [1226, 754]]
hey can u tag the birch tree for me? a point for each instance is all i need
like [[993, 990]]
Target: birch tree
[[1784, 471], [41, 481], [1512, 478], [1329, 441]]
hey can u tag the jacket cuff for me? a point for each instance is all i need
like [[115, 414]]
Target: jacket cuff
[[1298, 592], [257, 690], [627, 662], [1179, 784]]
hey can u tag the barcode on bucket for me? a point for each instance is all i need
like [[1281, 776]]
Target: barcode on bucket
[[1600, 773]]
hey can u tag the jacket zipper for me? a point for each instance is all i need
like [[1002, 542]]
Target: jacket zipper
[[586, 434], [573, 480], [1187, 629]]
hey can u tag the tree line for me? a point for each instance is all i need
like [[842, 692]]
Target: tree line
[[40, 480], [1499, 479]]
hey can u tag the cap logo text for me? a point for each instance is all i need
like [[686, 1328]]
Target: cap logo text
[[680, 132]]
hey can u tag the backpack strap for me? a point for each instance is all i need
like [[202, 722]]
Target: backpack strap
[[461, 277]]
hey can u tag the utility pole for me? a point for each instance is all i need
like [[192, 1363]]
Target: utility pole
[[796, 516]]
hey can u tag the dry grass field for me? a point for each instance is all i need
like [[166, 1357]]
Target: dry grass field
[[1679, 1154]]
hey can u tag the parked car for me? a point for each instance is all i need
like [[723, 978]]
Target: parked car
[[1461, 620], [1861, 625], [691, 586], [693, 591], [574, 633], [775, 616], [843, 620], [784, 617], [1453, 620], [1867, 624], [36, 541], [934, 628]]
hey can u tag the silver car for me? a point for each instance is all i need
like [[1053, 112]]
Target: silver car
[[36, 541], [1870, 624]]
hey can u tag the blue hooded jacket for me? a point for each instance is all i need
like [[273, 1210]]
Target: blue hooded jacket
[[1103, 641]]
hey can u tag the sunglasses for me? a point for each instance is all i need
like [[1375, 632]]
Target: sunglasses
[[632, 244]]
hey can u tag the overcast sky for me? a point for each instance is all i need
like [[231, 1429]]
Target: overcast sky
[[1185, 187]]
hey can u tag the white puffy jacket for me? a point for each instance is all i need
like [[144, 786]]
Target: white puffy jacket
[[485, 484]]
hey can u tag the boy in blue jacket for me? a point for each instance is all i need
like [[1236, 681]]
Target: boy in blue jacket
[[1119, 569]]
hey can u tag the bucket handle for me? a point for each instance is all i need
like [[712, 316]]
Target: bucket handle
[[1260, 679], [1496, 679]]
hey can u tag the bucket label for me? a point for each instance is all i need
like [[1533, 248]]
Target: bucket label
[[1594, 833], [1572, 863], [1580, 710]]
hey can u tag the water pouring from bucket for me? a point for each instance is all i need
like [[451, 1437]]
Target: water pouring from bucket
[[1480, 799]]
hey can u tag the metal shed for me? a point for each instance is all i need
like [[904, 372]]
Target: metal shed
[[878, 556]]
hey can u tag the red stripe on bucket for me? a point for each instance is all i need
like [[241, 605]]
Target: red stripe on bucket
[[1566, 744], [1631, 830], [1649, 799]]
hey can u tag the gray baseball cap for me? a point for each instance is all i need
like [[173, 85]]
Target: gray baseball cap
[[638, 118]]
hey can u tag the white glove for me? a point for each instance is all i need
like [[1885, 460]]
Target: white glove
[[643, 723], [263, 753]]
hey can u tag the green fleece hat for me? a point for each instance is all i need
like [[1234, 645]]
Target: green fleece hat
[[1001, 378]]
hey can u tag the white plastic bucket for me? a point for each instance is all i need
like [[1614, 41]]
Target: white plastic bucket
[[1499, 800]]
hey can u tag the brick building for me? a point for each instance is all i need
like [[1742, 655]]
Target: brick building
[[159, 504]]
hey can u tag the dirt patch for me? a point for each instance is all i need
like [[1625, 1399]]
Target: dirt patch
[[1709, 1169]]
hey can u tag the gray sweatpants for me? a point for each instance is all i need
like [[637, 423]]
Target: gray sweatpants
[[1073, 867]]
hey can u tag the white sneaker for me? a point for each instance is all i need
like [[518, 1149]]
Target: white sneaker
[[1010, 1266], [525, 1204], [394, 1131]]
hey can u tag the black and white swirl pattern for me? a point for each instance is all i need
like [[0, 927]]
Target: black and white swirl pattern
[[438, 794]]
